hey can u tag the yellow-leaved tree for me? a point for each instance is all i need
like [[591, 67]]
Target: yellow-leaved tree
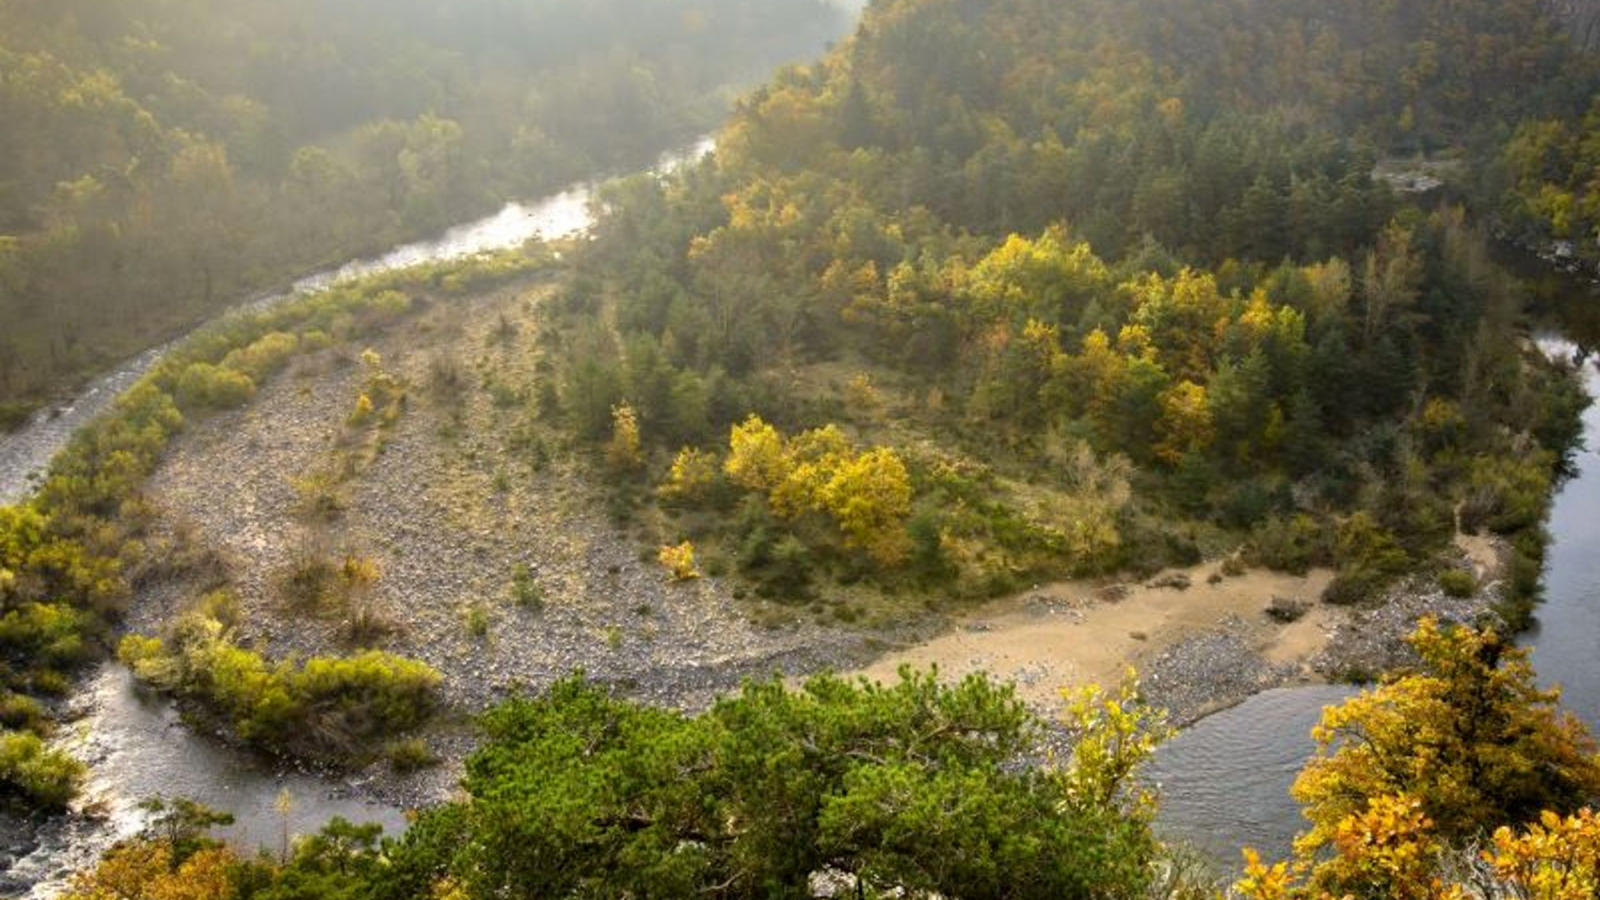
[[1468, 733], [623, 451], [678, 560], [1411, 774], [756, 456], [1186, 424], [692, 475], [813, 458], [870, 499], [146, 870]]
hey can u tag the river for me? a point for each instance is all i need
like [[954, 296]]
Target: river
[[136, 745], [26, 453], [1225, 781]]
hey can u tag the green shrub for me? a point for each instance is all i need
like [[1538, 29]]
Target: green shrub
[[1294, 545], [1524, 583], [329, 708], [788, 570], [504, 396], [263, 357], [1357, 585], [1362, 544], [311, 581], [14, 414], [1249, 502], [410, 754], [49, 682], [318, 496], [52, 634], [366, 696], [525, 588], [48, 779], [314, 340], [476, 621], [1458, 582], [206, 386], [21, 712], [1508, 493]]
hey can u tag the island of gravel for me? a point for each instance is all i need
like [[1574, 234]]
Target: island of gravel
[[496, 561]]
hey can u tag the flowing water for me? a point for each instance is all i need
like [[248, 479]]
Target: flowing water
[[136, 746], [1225, 781], [25, 454]]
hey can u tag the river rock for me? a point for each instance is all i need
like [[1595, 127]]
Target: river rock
[[1112, 593], [1178, 581], [1287, 609]]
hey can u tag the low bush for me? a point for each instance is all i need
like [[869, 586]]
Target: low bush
[[329, 708], [1355, 585], [47, 779], [263, 357], [46, 634], [1458, 583], [410, 754], [14, 414], [525, 591], [21, 712], [1292, 545], [205, 386]]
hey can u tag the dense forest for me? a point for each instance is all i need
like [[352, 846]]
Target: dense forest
[[161, 158], [1034, 293]]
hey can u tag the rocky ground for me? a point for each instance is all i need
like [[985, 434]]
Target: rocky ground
[[449, 508], [1201, 640], [1217, 668]]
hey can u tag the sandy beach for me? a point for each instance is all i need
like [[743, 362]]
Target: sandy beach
[[1071, 633]]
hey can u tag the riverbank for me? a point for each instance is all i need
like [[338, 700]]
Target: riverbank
[[26, 452], [1201, 641]]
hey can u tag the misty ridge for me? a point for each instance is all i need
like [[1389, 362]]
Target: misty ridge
[[883, 497]]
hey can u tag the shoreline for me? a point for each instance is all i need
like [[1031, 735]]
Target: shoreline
[[1200, 642]]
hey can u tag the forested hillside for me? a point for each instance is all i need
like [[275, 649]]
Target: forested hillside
[[162, 156], [1083, 274]]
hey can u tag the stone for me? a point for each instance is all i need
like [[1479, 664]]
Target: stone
[[1287, 609], [1176, 580]]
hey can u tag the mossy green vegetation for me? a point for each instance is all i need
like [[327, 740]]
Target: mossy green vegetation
[[330, 709]]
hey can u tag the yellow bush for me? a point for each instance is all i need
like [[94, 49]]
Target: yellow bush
[[624, 451], [362, 413], [693, 473], [679, 561]]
